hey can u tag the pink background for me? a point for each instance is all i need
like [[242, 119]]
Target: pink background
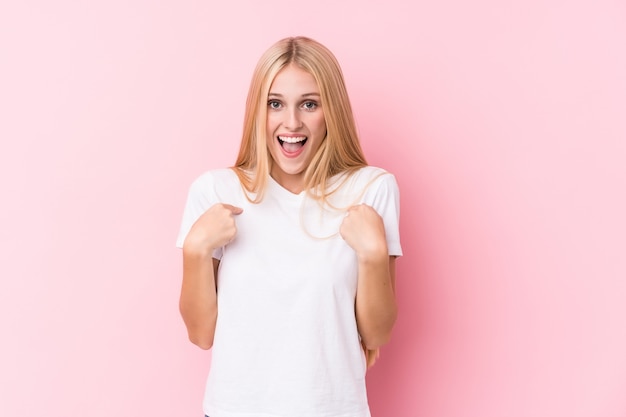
[[504, 122]]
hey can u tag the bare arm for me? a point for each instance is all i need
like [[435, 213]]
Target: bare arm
[[376, 308], [198, 297]]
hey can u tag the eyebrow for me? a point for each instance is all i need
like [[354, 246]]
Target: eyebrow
[[303, 95]]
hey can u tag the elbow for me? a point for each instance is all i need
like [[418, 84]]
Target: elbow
[[377, 341], [200, 330], [203, 343], [375, 337], [201, 336]]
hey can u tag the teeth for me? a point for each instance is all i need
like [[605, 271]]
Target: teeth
[[292, 139]]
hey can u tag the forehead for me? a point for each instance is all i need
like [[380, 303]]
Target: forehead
[[294, 80]]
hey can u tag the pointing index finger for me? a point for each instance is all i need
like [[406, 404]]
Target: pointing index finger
[[233, 209]]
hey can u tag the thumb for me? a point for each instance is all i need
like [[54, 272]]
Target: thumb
[[233, 209]]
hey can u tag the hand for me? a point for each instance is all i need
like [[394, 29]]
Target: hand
[[364, 231], [214, 228]]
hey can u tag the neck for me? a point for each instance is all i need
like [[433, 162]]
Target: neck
[[292, 183]]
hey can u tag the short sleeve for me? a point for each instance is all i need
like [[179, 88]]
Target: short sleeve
[[383, 195], [200, 198]]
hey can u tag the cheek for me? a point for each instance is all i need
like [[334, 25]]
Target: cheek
[[320, 126], [271, 124]]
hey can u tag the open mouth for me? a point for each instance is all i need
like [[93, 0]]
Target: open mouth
[[292, 144]]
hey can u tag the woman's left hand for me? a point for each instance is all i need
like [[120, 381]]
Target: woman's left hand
[[364, 231], [375, 308]]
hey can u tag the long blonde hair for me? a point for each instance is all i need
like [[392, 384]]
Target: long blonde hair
[[340, 152]]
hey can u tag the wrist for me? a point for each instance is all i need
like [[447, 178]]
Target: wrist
[[373, 255], [194, 250]]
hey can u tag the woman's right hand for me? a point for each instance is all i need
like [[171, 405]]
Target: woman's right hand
[[216, 227], [198, 298]]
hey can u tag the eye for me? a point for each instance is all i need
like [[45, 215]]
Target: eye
[[274, 104], [309, 105]]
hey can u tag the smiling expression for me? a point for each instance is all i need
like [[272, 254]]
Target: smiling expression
[[296, 126]]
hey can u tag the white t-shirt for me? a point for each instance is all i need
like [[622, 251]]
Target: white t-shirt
[[286, 342]]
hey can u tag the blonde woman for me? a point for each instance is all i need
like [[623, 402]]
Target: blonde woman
[[289, 255]]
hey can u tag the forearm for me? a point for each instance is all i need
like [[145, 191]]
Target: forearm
[[198, 298], [376, 308]]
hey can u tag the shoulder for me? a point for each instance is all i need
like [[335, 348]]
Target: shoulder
[[364, 185], [215, 182], [371, 178], [369, 171]]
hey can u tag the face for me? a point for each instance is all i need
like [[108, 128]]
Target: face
[[295, 125]]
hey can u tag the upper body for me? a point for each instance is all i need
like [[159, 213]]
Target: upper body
[[286, 340], [289, 256]]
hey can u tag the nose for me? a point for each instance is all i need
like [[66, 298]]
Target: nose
[[292, 120]]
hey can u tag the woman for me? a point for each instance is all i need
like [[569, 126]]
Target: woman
[[289, 256]]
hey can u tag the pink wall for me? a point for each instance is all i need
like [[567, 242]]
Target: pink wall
[[504, 122]]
